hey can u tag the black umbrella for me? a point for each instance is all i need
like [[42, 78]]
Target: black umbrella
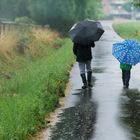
[[86, 31]]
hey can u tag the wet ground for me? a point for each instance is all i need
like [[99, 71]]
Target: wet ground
[[106, 111]]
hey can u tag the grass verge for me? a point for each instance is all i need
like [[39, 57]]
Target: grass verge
[[128, 30], [33, 92]]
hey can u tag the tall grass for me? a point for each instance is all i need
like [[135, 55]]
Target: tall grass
[[130, 30], [8, 43], [32, 92], [29, 39], [36, 72], [19, 47]]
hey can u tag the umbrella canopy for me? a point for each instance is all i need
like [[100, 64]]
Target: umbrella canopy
[[127, 52], [86, 31]]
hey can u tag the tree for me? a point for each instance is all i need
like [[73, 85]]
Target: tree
[[80, 9], [10, 9], [38, 10], [136, 3], [93, 9], [59, 14]]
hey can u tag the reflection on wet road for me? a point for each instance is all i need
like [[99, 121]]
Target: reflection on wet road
[[105, 112], [77, 122], [130, 114]]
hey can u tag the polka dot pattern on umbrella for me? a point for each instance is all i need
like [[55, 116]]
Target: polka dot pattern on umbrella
[[127, 51]]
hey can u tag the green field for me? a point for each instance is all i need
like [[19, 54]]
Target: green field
[[128, 30]]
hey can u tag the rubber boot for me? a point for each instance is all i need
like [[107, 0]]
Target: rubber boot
[[89, 76], [83, 76]]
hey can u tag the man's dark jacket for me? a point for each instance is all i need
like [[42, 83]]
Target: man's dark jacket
[[83, 52]]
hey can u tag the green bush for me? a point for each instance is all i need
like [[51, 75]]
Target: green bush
[[25, 20]]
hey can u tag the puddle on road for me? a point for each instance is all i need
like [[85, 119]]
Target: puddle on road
[[130, 114], [77, 122], [98, 70]]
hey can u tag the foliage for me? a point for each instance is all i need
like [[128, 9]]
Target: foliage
[[59, 14], [13, 8], [136, 3], [132, 4], [33, 43], [24, 19], [32, 92], [127, 6]]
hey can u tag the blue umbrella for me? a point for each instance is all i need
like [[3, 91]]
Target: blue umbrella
[[127, 52]]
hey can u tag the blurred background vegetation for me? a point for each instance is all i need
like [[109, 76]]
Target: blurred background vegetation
[[35, 60], [58, 14]]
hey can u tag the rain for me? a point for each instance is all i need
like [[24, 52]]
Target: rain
[[42, 96]]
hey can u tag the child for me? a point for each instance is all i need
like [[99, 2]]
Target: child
[[83, 57], [126, 72]]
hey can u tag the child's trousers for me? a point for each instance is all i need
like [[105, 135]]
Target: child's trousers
[[126, 77]]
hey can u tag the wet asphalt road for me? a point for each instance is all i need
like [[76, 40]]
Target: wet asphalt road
[[107, 111]]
